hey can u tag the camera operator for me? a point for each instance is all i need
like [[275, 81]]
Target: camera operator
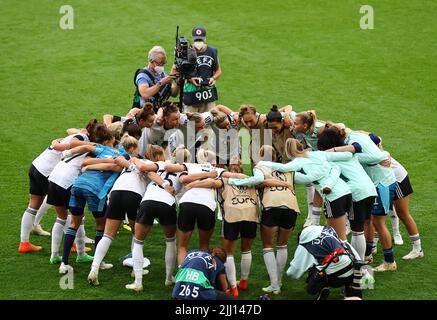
[[200, 92], [329, 261], [152, 80]]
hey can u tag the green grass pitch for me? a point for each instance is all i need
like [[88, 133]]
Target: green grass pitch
[[311, 54]]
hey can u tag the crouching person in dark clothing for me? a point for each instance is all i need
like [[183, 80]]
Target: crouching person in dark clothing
[[330, 263], [202, 276]]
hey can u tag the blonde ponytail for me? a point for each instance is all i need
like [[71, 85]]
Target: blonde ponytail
[[128, 142], [116, 130], [294, 149], [218, 117], [206, 156], [267, 153], [309, 118], [153, 152], [181, 154]]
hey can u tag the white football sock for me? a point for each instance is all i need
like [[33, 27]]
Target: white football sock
[[272, 267], [68, 222], [170, 257], [310, 198], [101, 251], [138, 261], [80, 240], [57, 235], [246, 262], [375, 239], [394, 222], [41, 212], [281, 261], [315, 216], [27, 223], [230, 271], [417, 244], [359, 243]]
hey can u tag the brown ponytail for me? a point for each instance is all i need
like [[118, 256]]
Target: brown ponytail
[[169, 108], [246, 108], [91, 128], [236, 165], [146, 112], [218, 252], [101, 134], [194, 116]]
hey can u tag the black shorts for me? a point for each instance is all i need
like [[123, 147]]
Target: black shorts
[[58, 196], [338, 207], [38, 184], [123, 202], [150, 210], [361, 210], [279, 217], [190, 213], [233, 231], [403, 188]]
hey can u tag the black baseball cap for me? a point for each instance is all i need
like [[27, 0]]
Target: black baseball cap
[[198, 33]]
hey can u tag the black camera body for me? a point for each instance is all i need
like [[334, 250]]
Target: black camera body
[[185, 57], [204, 82], [316, 280]]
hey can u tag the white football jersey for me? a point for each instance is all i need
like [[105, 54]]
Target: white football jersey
[[203, 196], [399, 170], [46, 161], [66, 171], [157, 134], [157, 193], [226, 142], [132, 180]]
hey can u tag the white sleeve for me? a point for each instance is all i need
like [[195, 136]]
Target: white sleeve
[[189, 167], [183, 119], [232, 121], [301, 262], [207, 117], [175, 140], [257, 178], [160, 165], [219, 172]]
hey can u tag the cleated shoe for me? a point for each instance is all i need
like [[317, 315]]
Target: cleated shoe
[[105, 266], [386, 266], [134, 287], [398, 239], [170, 282], [93, 278], [414, 255], [85, 259], [38, 230], [55, 260], [269, 289], [74, 248], [242, 284], [65, 268], [26, 247]]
